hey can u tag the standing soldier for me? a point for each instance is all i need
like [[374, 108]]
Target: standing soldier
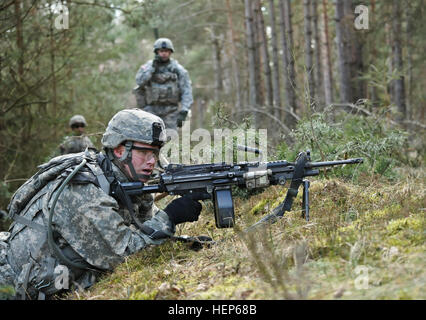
[[162, 83], [77, 142]]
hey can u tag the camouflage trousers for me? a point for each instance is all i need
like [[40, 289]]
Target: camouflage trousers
[[36, 273], [169, 114]]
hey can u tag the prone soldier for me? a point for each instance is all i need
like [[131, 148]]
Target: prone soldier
[[74, 214]]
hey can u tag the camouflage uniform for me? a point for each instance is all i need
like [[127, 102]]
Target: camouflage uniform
[[90, 227], [75, 144], [163, 88]]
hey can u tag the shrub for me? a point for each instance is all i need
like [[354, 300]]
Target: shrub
[[350, 137]]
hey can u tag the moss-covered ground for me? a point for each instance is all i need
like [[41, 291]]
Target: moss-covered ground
[[365, 240]]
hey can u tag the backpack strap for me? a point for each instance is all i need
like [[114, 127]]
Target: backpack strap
[[100, 176], [29, 223]]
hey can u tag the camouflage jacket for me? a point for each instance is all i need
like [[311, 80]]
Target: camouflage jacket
[[75, 144], [168, 84], [89, 226]]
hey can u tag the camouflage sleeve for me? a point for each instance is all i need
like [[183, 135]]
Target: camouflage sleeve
[[145, 74], [147, 208], [88, 142], [89, 221], [63, 145], [185, 86]]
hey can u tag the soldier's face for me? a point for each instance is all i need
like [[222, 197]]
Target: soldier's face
[[164, 54], [78, 129], [142, 160]]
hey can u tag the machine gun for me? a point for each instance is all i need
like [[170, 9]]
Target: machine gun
[[215, 181]]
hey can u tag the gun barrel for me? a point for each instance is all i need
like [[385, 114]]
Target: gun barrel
[[248, 149], [333, 163]]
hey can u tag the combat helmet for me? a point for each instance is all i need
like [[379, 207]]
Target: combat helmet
[[129, 126], [77, 119], [134, 125], [163, 43]]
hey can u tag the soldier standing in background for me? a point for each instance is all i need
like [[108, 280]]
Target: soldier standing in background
[[162, 84], [77, 142]]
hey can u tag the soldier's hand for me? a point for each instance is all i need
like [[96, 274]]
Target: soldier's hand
[[183, 209], [137, 89], [159, 78], [156, 62], [181, 117]]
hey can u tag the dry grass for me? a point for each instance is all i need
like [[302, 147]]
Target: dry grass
[[374, 226]]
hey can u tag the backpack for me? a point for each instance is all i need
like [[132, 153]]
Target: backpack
[[61, 165]]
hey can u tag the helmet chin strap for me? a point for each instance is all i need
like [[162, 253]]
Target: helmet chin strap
[[126, 158]]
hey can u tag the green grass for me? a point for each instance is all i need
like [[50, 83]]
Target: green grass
[[373, 226]]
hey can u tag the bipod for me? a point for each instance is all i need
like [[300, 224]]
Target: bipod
[[305, 201]]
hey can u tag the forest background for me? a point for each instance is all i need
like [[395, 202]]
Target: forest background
[[342, 78], [296, 68]]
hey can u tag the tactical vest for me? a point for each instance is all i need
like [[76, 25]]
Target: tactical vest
[[163, 88], [75, 144]]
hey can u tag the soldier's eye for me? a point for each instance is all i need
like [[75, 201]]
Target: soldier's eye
[[148, 154], [142, 152]]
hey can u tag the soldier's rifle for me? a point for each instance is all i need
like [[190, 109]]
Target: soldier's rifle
[[215, 181]]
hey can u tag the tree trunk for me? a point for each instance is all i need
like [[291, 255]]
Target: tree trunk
[[389, 63], [355, 46], [275, 68], [216, 59], [328, 74], [217, 65], [309, 72], [250, 54], [53, 72], [235, 66], [292, 72], [225, 55], [19, 40], [343, 54], [409, 58], [265, 56], [24, 113], [257, 52], [319, 85], [373, 57], [397, 61], [288, 61]]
